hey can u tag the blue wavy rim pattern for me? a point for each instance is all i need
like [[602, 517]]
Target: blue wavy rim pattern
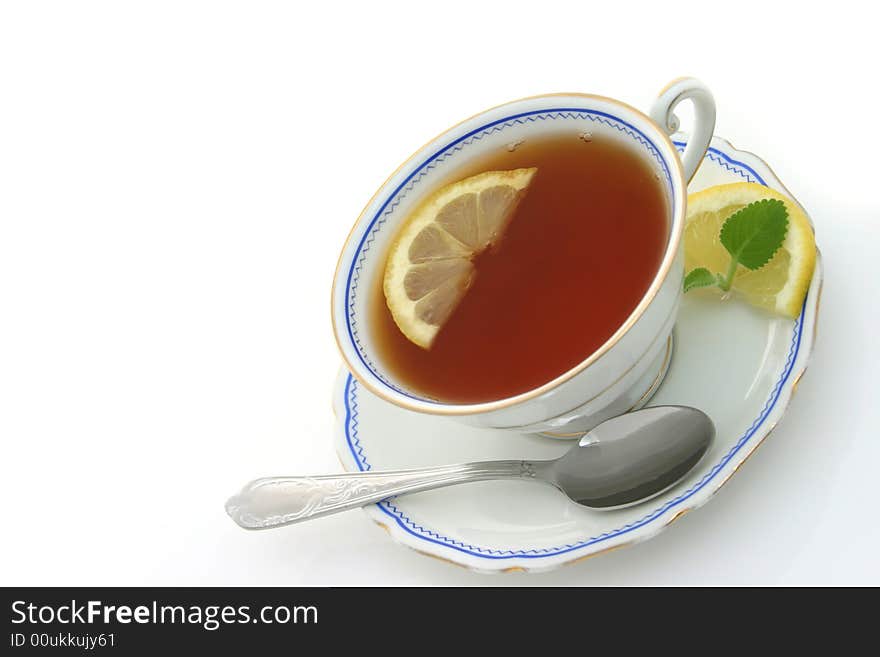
[[444, 153], [425, 534]]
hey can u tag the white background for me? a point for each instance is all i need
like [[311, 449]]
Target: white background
[[176, 179]]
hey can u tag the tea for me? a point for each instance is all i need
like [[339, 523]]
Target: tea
[[581, 250]]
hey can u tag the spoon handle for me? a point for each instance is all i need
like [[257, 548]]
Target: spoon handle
[[276, 501]]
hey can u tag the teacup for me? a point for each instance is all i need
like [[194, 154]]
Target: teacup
[[625, 371]]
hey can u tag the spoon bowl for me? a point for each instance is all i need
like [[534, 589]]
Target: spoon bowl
[[634, 457]]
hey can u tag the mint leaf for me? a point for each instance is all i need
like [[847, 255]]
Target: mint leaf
[[754, 234], [699, 277]]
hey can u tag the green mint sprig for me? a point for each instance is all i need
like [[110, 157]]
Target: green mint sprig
[[752, 236]]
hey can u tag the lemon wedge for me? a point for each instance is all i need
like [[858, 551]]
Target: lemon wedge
[[779, 286], [430, 263]]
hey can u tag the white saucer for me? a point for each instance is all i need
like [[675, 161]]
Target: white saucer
[[739, 365]]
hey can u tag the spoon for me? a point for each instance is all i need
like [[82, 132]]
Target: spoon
[[623, 461]]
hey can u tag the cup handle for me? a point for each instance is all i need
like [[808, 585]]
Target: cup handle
[[662, 112]]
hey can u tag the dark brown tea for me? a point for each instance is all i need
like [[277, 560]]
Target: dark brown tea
[[579, 253]]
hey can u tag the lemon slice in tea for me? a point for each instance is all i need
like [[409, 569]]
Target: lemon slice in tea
[[779, 286], [429, 266]]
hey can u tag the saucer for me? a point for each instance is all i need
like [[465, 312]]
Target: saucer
[[517, 525]]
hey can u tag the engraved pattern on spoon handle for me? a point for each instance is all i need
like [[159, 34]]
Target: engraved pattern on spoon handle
[[276, 501]]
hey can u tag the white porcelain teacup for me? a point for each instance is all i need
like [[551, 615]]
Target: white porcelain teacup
[[625, 371]]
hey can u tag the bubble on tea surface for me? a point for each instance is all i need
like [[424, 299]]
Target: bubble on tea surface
[[586, 136], [512, 146]]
